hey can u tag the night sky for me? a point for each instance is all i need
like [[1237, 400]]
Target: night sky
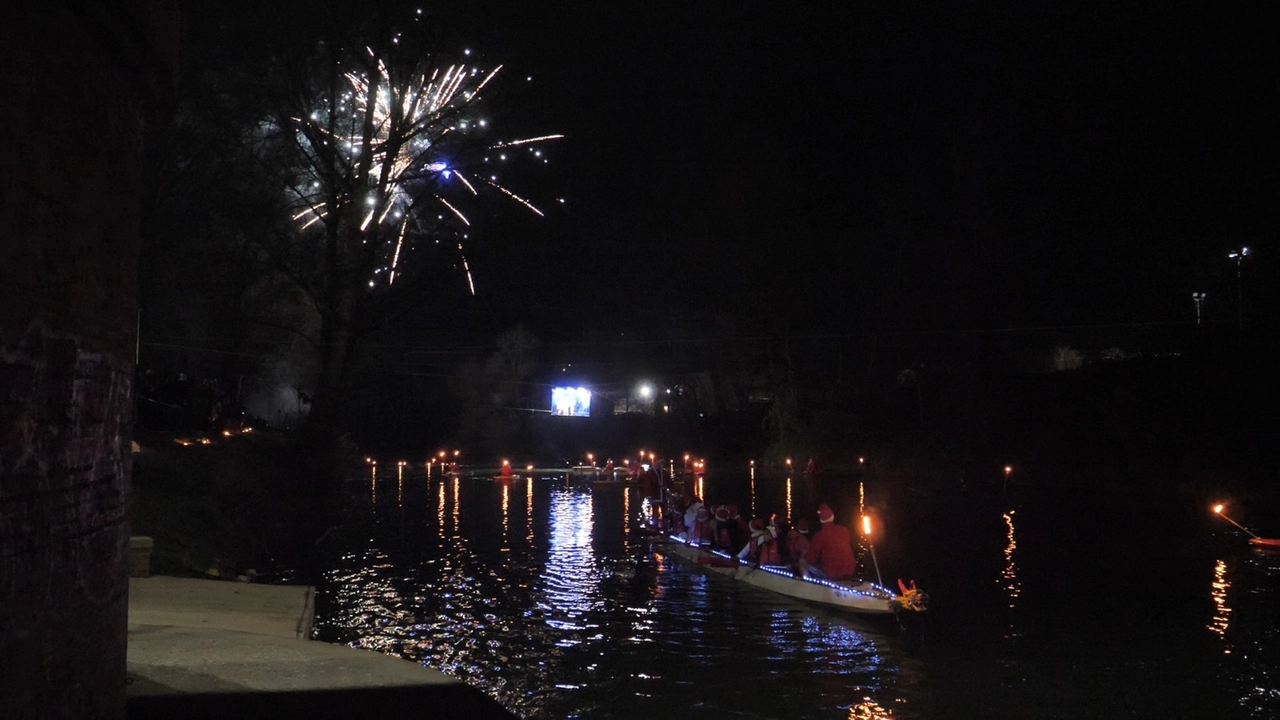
[[749, 168]]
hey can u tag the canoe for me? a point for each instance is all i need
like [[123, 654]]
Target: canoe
[[865, 598], [1270, 543]]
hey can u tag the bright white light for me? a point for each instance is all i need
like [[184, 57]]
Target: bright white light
[[571, 401], [646, 391]]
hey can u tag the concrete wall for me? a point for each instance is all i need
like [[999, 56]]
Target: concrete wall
[[81, 83]]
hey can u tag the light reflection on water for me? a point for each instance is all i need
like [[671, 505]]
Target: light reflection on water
[[506, 502], [1009, 575], [571, 577], [577, 618], [1221, 619], [571, 615]]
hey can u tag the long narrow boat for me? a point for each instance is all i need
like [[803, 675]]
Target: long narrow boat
[[859, 597], [1265, 543]]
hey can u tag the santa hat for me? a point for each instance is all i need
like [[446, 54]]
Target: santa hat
[[722, 513], [825, 514], [757, 524]]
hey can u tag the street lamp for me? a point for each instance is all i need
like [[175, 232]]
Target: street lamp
[[1239, 254], [1198, 297]]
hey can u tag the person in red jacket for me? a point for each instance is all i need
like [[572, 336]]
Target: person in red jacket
[[830, 553], [797, 543]]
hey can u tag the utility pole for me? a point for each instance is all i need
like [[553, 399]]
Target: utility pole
[[1239, 255]]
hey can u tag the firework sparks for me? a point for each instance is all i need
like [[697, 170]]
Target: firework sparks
[[388, 141]]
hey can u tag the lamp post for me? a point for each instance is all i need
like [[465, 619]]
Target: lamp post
[[1239, 254], [1198, 297]]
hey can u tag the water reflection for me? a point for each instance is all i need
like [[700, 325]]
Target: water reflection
[[1221, 612], [626, 518], [440, 511], [1009, 576], [869, 709], [506, 502], [400, 484], [571, 579], [453, 516], [1009, 580], [528, 510], [575, 617]]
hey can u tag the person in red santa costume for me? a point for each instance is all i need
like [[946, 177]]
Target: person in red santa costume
[[830, 553]]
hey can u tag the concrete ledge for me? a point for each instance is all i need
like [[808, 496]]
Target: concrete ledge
[[168, 660], [279, 610], [447, 702], [217, 649], [140, 548]]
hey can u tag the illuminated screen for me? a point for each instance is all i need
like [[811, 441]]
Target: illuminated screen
[[571, 402]]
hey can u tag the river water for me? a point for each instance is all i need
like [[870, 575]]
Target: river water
[[1042, 605]]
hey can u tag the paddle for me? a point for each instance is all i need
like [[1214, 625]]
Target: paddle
[[1218, 509], [866, 530]]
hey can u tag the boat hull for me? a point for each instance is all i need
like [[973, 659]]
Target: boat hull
[[1269, 543], [863, 598]]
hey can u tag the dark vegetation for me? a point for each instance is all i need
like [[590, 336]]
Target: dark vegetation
[[237, 507]]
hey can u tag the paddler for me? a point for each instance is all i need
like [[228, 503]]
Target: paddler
[[691, 512], [700, 533], [751, 551], [762, 548], [798, 543], [720, 524], [830, 553], [739, 529]]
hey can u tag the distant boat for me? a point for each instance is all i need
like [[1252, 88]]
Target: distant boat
[[616, 475], [1265, 543]]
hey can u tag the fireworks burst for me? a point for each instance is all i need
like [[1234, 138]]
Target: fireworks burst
[[394, 140]]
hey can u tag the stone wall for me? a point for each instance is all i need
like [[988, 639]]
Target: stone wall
[[81, 84]]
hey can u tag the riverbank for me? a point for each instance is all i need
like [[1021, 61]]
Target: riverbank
[[213, 632], [228, 506], [201, 648]]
